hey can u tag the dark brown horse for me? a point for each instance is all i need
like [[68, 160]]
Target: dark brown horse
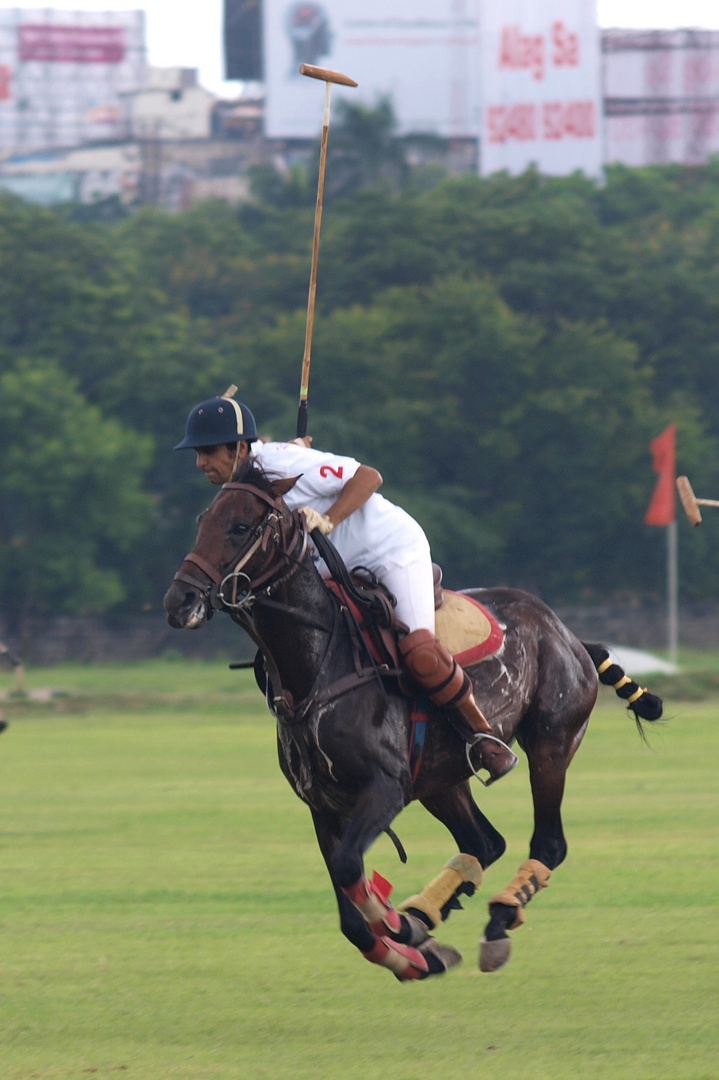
[[344, 739]]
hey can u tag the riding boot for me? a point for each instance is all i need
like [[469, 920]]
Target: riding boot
[[434, 668]]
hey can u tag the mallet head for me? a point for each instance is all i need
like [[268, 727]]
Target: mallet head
[[689, 502], [326, 75]]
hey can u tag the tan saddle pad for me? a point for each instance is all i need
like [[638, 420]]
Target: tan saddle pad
[[467, 629]]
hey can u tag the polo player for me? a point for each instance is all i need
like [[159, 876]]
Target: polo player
[[338, 495]]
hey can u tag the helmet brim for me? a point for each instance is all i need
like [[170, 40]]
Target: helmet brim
[[189, 443]]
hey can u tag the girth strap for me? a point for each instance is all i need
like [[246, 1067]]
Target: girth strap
[[351, 682], [282, 700]]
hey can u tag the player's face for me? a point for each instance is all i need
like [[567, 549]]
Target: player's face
[[218, 462]]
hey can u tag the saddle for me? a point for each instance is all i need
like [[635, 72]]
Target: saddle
[[467, 629], [367, 609]]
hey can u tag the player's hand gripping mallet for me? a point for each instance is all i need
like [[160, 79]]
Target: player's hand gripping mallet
[[328, 77], [690, 502]]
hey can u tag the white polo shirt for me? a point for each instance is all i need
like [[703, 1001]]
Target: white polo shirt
[[379, 535]]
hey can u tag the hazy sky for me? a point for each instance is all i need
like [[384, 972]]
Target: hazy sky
[[188, 33]]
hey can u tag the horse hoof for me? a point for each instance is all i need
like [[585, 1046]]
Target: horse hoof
[[418, 931], [440, 958], [494, 954]]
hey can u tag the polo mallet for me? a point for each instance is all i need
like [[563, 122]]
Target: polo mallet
[[690, 502], [328, 77]]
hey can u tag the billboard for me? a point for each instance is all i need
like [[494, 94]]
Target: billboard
[[661, 96], [423, 55], [242, 39], [540, 87], [70, 44], [63, 75]]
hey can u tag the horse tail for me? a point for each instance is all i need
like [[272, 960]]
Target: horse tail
[[644, 705]]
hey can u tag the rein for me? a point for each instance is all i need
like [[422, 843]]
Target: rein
[[279, 536]]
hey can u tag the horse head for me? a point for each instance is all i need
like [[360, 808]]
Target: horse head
[[246, 539]]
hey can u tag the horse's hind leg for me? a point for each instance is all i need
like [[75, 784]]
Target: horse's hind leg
[[548, 847], [479, 845]]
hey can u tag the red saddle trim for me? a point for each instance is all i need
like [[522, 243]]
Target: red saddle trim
[[485, 648], [465, 659]]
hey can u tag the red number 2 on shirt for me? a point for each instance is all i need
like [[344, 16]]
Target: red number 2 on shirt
[[335, 472]]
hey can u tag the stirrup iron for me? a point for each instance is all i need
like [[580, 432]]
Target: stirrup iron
[[469, 746]]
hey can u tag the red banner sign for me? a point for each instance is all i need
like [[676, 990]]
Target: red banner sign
[[71, 44], [662, 508], [5, 83]]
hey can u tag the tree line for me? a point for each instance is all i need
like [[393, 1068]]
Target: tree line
[[501, 349]]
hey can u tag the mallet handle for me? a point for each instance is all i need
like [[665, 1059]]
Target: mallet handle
[[309, 325], [326, 75], [708, 502]]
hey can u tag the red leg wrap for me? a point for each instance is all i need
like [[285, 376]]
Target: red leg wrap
[[372, 899], [403, 961]]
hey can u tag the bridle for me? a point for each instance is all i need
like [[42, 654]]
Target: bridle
[[277, 533], [283, 536]]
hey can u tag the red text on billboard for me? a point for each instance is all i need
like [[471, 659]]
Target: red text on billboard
[[46, 43], [528, 52], [551, 121]]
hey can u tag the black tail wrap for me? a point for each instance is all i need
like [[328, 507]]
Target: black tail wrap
[[645, 706]]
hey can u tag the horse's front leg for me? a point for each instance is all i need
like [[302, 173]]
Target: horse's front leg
[[329, 828], [398, 941]]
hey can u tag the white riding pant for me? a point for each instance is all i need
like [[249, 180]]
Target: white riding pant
[[413, 586]]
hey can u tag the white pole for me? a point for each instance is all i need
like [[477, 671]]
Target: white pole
[[672, 591]]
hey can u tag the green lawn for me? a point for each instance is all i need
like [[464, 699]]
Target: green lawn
[[165, 912]]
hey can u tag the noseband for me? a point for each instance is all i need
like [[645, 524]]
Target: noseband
[[275, 534]]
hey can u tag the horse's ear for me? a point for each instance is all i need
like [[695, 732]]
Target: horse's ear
[[281, 487]]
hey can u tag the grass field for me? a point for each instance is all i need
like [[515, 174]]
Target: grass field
[[164, 911]]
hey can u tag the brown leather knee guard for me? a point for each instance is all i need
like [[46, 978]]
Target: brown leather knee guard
[[434, 668]]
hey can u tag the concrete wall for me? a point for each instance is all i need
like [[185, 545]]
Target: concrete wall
[[645, 627], [88, 640], [95, 640]]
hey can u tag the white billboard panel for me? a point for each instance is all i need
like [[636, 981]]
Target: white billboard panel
[[661, 96], [424, 55], [63, 75], [540, 86]]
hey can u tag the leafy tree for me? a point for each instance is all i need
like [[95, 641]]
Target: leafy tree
[[365, 150], [71, 504], [503, 349]]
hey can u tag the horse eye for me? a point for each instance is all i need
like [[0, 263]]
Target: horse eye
[[238, 528]]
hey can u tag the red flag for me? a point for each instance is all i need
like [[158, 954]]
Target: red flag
[[662, 508]]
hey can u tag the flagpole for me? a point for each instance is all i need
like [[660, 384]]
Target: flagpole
[[672, 591]]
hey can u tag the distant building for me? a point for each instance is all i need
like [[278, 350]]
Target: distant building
[[661, 96], [169, 105], [179, 144], [63, 75], [526, 81], [83, 174], [83, 117]]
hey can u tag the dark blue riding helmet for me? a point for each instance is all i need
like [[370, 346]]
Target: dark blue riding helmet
[[218, 420]]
